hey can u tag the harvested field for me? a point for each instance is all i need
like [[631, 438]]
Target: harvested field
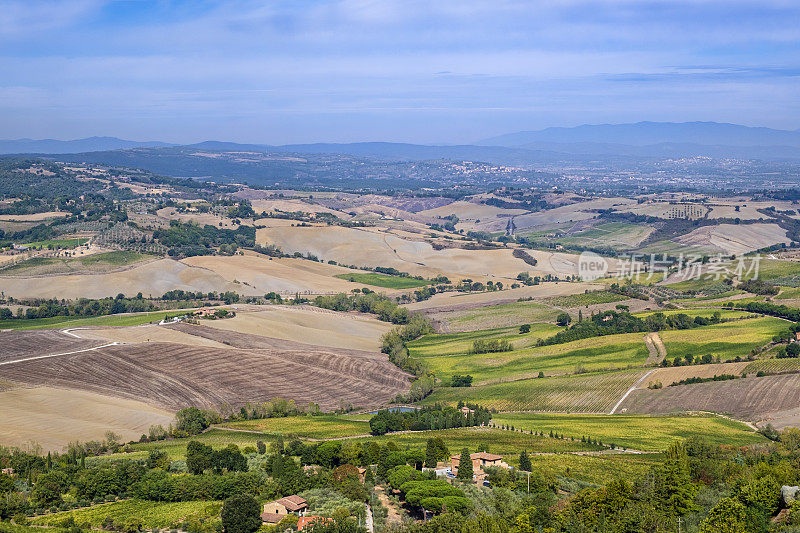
[[670, 375], [89, 261], [54, 417], [35, 217], [173, 376], [144, 334], [258, 273], [751, 398], [306, 324], [293, 205], [460, 301], [572, 212], [152, 278], [735, 238], [362, 247], [22, 344]]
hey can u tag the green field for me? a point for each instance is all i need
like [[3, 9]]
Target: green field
[[58, 243], [103, 320], [617, 235], [150, 514], [774, 366], [726, 340], [493, 316], [788, 293], [774, 269], [597, 469], [649, 433], [502, 442], [582, 300], [446, 355], [312, 427], [118, 258], [699, 311], [585, 393], [382, 280]]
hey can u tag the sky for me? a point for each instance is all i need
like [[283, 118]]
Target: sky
[[416, 71]]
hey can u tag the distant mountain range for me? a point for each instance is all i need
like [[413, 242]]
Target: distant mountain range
[[90, 144], [581, 143]]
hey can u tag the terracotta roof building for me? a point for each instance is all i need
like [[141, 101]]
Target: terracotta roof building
[[274, 511]]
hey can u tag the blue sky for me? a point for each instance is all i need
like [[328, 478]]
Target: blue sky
[[412, 71]]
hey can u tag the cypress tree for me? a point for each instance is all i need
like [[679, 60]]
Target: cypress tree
[[525, 461], [465, 466]]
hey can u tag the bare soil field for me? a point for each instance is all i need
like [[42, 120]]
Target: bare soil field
[[310, 325], [20, 344], [282, 275], [173, 376], [735, 238], [153, 278], [292, 205], [753, 399], [54, 417], [748, 209], [569, 213]]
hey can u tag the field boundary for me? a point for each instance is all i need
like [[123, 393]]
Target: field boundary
[[36, 357], [630, 390]]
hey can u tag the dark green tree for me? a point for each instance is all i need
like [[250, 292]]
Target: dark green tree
[[525, 461], [199, 457], [240, 514], [465, 471]]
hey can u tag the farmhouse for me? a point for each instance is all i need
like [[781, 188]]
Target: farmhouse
[[480, 461], [274, 511], [206, 312]]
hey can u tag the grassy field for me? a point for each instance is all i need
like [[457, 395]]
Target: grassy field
[[597, 469], [582, 300], [75, 321], [725, 341], [312, 427], [585, 393], [699, 311], [772, 269], [436, 345], [649, 433], [382, 280], [58, 243], [774, 365], [446, 355], [502, 442], [493, 316], [788, 293], [118, 258], [617, 235], [151, 514]]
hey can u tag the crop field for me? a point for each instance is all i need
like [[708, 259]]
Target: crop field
[[178, 376], [725, 341], [54, 417], [446, 355], [582, 300], [735, 239], [585, 393], [151, 515], [58, 243], [775, 270], [502, 442], [74, 321], [788, 293], [597, 469], [668, 376], [382, 280], [776, 366], [496, 316], [648, 433], [314, 427], [261, 274], [97, 263], [727, 314], [176, 448], [617, 235], [751, 398], [148, 277], [306, 324]]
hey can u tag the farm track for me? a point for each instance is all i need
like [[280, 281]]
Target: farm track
[[23, 344], [656, 348]]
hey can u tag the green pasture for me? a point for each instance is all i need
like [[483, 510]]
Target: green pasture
[[726, 341], [382, 280], [582, 300], [312, 427], [649, 433], [151, 515], [57, 322], [584, 393], [492, 316], [596, 469]]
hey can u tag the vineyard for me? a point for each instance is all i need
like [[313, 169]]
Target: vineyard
[[586, 393]]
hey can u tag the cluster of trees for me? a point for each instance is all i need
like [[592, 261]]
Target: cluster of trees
[[757, 286], [80, 307], [613, 322], [183, 239], [366, 301], [427, 418], [692, 380], [766, 308], [490, 346]]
